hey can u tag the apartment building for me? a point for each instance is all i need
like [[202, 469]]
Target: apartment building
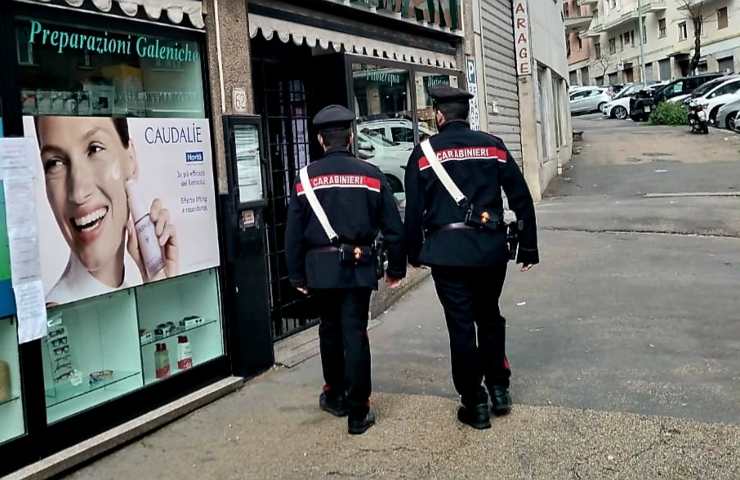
[[577, 18], [667, 30]]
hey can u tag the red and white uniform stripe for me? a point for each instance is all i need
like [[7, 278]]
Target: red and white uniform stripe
[[465, 153], [341, 181]]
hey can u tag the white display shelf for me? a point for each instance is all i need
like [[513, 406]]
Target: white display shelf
[[65, 392], [177, 332], [9, 401]]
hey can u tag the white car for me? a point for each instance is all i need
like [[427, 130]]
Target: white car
[[391, 158], [619, 107], [588, 100], [727, 115], [715, 98], [399, 131]]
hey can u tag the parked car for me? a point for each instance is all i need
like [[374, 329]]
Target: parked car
[[722, 91], [727, 115], [395, 130], [682, 86], [389, 157], [588, 100], [619, 106]]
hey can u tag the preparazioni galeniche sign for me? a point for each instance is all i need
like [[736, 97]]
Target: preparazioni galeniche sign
[[103, 43]]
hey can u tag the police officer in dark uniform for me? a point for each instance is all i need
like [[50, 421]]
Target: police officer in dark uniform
[[336, 261], [462, 237]]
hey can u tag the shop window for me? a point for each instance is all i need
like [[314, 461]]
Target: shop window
[[383, 105], [11, 403], [91, 354], [424, 107], [129, 266], [73, 70]]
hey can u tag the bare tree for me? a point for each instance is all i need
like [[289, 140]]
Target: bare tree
[[603, 62], [694, 14]]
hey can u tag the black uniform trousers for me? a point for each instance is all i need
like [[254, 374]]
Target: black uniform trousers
[[469, 296], [345, 347]]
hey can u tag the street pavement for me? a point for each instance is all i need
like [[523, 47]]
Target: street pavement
[[624, 345]]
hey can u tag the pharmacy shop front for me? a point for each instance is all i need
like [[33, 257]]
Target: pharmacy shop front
[[110, 266]]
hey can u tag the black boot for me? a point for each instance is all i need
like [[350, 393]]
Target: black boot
[[501, 400], [360, 426], [336, 405], [476, 416]]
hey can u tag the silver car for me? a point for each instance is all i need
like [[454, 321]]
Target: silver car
[[727, 115], [588, 100]]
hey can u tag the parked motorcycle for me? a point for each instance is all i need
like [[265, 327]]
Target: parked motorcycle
[[698, 117]]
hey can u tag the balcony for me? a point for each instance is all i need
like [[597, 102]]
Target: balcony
[[653, 6], [695, 3], [595, 30], [577, 24]]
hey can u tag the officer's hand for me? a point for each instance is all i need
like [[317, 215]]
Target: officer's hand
[[302, 290], [527, 267], [392, 282]]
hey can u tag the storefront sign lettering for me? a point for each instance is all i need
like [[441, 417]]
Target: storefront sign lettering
[[102, 43], [166, 135], [474, 115], [521, 38], [442, 13], [385, 77]]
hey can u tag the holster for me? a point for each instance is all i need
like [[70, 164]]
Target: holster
[[355, 254], [479, 218], [512, 238]]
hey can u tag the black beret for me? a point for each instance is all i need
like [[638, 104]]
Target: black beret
[[448, 94], [333, 116]]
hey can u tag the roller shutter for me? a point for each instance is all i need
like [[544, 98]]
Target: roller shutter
[[500, 73]]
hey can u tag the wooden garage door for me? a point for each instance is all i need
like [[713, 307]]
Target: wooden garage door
[[500, 73]]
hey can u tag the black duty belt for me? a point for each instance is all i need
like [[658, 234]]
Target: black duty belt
[[495, 226], [349, 253]]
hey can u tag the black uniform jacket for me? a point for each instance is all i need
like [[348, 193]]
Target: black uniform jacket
[[359, 203], [480, 165]]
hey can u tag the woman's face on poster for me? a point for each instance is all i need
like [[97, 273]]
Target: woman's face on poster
[[86, 165]]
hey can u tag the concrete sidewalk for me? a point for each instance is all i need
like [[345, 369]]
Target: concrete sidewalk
[[273, 429]]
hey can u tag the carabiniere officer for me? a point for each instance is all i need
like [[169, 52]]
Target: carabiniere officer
[[342, 270], [467, 247]]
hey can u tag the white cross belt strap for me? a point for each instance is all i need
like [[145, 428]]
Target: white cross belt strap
[[441, 173], [318, 210]]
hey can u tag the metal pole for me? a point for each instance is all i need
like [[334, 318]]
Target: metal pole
[[642, 45]]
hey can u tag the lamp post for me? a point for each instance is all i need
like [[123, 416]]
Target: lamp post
[[640, 31]]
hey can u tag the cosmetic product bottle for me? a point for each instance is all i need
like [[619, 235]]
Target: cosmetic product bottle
[[184, 353], [161, 361], [151, 252], [4, 381]]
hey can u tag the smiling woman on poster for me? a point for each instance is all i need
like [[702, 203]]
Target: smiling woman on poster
[[116, 239]]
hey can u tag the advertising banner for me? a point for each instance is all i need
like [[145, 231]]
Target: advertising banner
[[121, 202]]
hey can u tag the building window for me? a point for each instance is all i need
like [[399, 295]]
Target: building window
[[580, 43], [599, 80], [597, 50], [727, 65], [662, 32], [612, 46], [683, 33], [621, 43], [644, 32], [722, 18], [566, 10]]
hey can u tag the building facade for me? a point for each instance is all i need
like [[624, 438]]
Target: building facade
[[523, 93], [667, 39]]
